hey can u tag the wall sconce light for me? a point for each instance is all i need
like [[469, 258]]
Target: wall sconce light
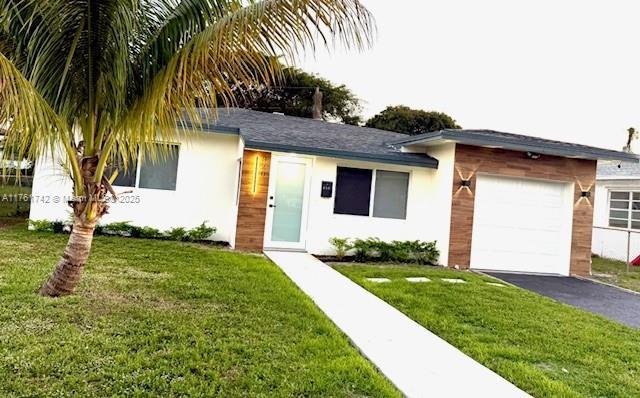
[[466, 184], [255, 175], [585, 194], [533, 155]]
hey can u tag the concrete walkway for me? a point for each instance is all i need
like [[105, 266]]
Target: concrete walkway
[[418, 362]]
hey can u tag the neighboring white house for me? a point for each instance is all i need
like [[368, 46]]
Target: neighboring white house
[[616, 224], [491, 200]]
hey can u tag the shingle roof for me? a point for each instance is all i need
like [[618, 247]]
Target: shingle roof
[[518, 142], [618, 170], [269, 131]]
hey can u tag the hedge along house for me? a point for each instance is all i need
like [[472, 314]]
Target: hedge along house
[[491, 200]]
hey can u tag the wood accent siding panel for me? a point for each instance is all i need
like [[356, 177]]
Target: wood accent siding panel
[[470, 160], [252, 206]]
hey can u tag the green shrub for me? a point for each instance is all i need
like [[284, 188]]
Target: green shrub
[[57, 226], [373, 249], [119, 228], [41, 225], [363, 250], [341, 246], [416, 251], [177, 233], [125, 228], [149, 233], [201, 232], [135, 232]]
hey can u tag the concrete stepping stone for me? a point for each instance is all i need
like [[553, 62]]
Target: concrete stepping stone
[[379, 280], [495, 284], [417, 279], [453, 280]]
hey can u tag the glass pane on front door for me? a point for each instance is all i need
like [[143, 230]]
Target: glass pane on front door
[[288, 201]]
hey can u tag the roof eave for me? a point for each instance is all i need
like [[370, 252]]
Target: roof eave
[[430, 163], [208, 128], [617, 178], [444, 136]]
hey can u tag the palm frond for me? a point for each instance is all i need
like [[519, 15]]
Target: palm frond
[[122, 73], [31, 126], [239, 46]]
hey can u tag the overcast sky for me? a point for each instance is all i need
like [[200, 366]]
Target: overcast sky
[[563, 69]]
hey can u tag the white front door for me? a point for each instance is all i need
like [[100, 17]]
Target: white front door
[[522, 225], [288, 202]]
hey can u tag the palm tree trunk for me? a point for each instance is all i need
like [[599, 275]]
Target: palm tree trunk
[[67, 273]]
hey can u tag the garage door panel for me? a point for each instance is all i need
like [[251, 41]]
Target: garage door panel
[[522, 225]]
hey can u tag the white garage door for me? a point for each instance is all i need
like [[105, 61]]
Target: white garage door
[[522, 225]]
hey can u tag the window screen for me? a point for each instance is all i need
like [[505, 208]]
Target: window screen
[[162, 173], [390, 200], [353, 191]]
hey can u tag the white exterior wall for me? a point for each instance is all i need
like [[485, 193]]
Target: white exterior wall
[[206, 187], [428, 206], [612, 243], [236, 199]]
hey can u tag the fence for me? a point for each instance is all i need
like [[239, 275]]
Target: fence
[[616, 243]]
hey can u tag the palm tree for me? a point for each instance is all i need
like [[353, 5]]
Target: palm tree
[[102, 79]]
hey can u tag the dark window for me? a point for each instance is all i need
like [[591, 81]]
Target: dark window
[[125, 178], [161, 173], [353, 191]]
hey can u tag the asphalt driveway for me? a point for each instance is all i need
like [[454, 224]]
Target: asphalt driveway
[[611, 302]]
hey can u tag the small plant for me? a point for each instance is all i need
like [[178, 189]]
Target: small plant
[[177, 233], [341, 246], [57, 226], [201, 232], [41, 225]]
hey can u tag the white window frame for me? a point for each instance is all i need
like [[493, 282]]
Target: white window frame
[[372, 193], [630, 211]]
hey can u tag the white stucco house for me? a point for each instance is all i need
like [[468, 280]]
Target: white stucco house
[[491, 200], [616, 224]]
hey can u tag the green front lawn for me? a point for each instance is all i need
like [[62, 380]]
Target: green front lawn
[[546, 348], [156, 318], [615, 273]]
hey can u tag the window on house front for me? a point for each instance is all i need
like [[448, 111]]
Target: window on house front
[[125, 178], [355, 188], [161, 174], [390, 199], [353, 191], [624, 209]]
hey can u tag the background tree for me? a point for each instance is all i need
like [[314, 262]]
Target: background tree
[[293, 96], [403, 119], [101, 80], [632, 135]]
